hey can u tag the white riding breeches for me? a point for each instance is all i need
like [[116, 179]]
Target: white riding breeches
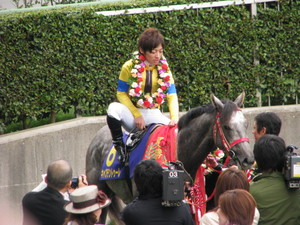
[[122, 113]]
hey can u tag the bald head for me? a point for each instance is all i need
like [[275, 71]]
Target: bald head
[[59, 174]]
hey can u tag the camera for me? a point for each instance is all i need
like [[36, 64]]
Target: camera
[[75, 182], [173, 187], [292, 168]]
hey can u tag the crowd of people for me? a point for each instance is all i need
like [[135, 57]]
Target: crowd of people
[[231, 179], [59, 202], [145, 82]]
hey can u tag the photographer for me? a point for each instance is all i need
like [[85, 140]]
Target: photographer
[[147, 209], [276, 203], [45, 207]]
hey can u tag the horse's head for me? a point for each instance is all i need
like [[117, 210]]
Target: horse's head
[[230, 130]]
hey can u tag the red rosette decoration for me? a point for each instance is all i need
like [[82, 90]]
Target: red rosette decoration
[[142, 57], [101, 197], [163, 88], [167, 78], [159, 100], [146, 104], [164, 66], [140, 79], [162, 143], [137, 89], [142, 69]]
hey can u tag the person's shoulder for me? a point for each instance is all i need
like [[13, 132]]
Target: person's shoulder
[[128, 64], [43, 195], [129, 211], [30, 199], [262, 178], [256, 216], [28, 196], [185, 206], [139, 205], [132, 205], [31, 195], [210, 218], [257, 184]]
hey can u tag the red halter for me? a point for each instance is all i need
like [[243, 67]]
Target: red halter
[[218, 128]]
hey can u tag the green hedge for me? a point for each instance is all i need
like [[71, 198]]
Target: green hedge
[[55, 59]]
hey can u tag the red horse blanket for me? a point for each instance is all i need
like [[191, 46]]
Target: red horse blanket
[[161, 145]]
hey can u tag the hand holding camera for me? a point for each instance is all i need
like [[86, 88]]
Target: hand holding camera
[[80, 181]]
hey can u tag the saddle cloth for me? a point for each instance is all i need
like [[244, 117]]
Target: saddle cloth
[[159, 143]]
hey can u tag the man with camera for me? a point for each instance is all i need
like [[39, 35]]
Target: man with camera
[[277, 203], [147, 209], [45, 207]]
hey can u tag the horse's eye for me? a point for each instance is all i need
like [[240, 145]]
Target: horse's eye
[[226, 127]]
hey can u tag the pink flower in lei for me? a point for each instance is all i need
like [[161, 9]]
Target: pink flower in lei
[[148, 100]]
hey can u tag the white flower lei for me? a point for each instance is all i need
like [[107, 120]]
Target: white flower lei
[[146, 100]]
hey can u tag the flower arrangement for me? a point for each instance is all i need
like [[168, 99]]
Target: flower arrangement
[[219, 155], [212, 160], [146, 100]]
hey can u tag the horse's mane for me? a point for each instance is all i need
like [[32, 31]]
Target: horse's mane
[[225, 116], [194, 113]]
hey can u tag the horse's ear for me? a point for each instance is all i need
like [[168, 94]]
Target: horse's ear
[[239, 101], [217, 103]]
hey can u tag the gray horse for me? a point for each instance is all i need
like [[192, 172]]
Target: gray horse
[[201, 130]]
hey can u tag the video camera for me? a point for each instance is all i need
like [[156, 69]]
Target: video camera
[[292, 168], [173, 186]]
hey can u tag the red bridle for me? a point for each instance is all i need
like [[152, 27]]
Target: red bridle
[[200, 175], [218, 129]]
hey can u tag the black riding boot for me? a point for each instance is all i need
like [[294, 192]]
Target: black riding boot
[[117, 138]]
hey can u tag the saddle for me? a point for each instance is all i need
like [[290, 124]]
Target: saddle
[[134, 138]]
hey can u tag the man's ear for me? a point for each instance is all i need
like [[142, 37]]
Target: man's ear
[[141, 51], [46, 179], [263, 131], [68, 185]]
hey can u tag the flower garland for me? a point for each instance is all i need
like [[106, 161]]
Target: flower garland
[[146, 100]]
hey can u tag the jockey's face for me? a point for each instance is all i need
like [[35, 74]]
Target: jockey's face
[[154, 56]]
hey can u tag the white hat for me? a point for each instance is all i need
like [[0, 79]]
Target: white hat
[[85, 200]]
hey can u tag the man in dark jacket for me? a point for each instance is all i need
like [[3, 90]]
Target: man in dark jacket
[[147, 208], [46, 207]]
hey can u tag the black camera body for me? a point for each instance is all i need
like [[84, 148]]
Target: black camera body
[[173, 187], [292, 168], [75, 182]]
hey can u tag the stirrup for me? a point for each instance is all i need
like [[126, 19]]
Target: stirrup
[[121, 149]]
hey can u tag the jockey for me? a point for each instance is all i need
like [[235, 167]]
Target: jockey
[[144, 83]]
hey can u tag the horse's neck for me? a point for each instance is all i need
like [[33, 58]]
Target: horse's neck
[[195, 142]]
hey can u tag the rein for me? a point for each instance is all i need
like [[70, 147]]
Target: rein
[[218, 129]]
